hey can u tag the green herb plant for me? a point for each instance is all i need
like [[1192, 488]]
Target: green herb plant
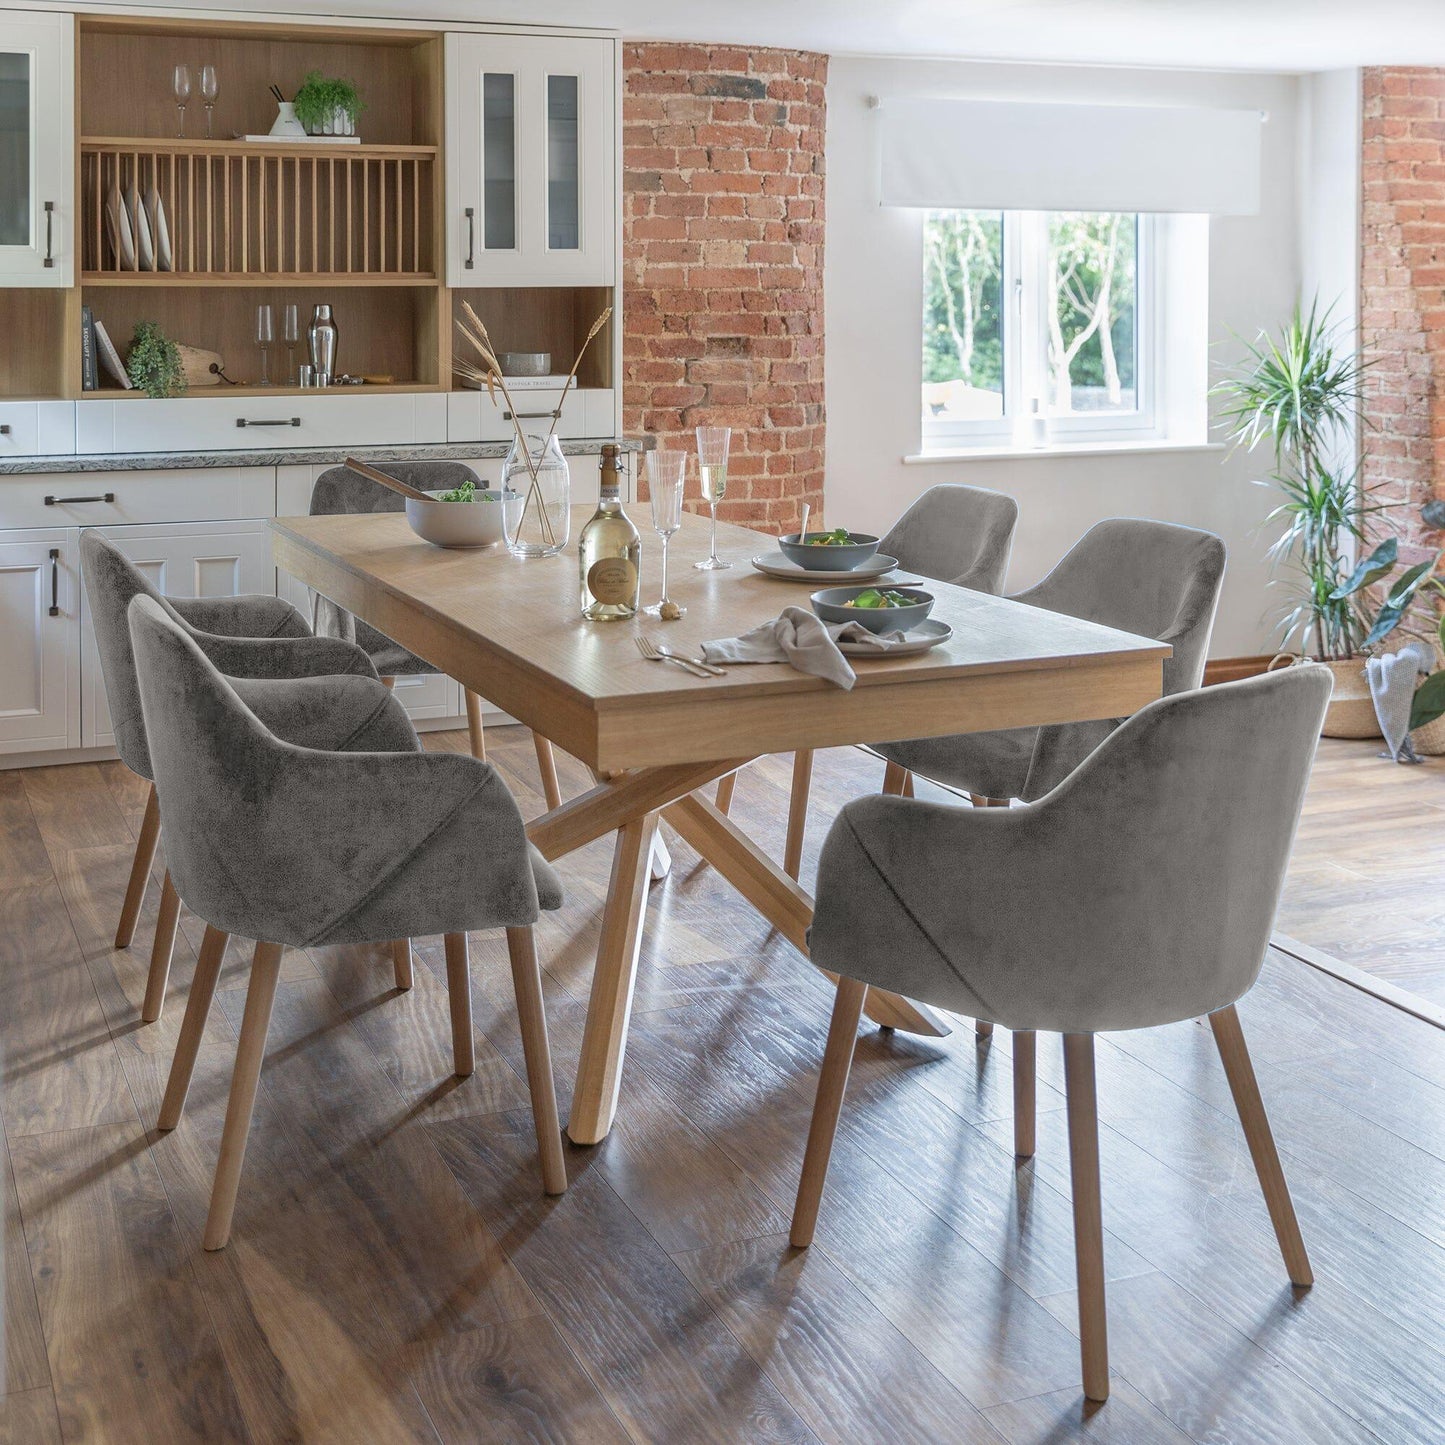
[[154, 362], [320, 98]]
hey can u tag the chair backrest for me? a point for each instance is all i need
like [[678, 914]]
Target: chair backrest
[[111, 580], [1181, 823], [1154, 579], [956, 534], [339, 490]]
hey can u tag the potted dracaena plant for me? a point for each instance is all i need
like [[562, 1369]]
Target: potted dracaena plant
[[1299, 393]]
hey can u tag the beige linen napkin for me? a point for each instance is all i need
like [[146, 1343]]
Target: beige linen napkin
[[800, 639]]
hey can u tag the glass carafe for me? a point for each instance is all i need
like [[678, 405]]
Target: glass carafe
[[538, 497]]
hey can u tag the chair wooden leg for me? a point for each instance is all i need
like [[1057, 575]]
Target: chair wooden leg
[[723, 798], [401, 963], [255, 1022], [547, 767], [798, 811], [388, 683], [1088, 1211], [193, 1026], [1025, 1100], [140, 869], [895, 779], [837, 1060], [527, 982], [982, 1028], [475, 736], [1234, 1053], [165, 942], [459, 995]]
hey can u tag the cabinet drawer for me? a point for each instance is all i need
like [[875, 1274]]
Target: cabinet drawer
[[249, 423], [36, 428], [79, 498], [472, 416]]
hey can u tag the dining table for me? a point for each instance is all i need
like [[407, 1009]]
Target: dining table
[[653, 734]]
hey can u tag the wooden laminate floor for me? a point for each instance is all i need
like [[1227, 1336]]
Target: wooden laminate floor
[[396, 1275], [1365, 881]]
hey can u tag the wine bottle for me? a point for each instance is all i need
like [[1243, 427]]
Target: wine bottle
[[609, 552]]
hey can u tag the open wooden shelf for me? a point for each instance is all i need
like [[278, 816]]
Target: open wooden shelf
[[323, 150], [185, 280], [119, 393]]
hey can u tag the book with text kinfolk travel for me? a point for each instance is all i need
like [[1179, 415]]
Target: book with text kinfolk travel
[[89, 377]]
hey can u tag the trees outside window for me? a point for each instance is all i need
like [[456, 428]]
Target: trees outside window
[[1031, 311]]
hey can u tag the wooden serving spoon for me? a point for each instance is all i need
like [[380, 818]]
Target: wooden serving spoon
[[405, 489]]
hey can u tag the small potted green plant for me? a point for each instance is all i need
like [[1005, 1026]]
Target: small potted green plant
[[154, 362], [327, 106]]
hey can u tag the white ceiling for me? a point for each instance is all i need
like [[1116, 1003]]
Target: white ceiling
[[1230, 34]]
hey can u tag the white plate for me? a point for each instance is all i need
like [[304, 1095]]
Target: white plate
[[160, 231], [929, 633], [118, 224], [140, 228], [776, 565]]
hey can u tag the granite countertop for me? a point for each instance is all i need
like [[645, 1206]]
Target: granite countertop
[[171, 461]]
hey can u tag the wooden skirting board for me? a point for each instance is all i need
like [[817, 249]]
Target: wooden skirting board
[[1232, 669]]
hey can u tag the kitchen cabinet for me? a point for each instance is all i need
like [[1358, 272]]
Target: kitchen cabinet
[[531, 141], [37, 149], [39, 631]]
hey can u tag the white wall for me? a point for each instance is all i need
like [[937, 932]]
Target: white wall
[[874, 304]]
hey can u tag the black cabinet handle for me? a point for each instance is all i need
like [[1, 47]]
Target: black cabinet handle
[[529, 415], [242, 421], [55, 581], [69, 501], [471, 216], [4, 429], [50, 233]]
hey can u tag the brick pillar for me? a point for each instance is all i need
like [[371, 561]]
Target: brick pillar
[[1402, 298], [723, 264]]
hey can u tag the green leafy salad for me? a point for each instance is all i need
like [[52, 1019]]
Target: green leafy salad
[[838, 537], [467, 492], [873, 598]]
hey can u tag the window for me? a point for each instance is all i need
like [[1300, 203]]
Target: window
[[1037, 319]]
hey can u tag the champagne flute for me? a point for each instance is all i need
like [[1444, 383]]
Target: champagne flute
[[290, 334], [182, 83], [712, 464], [210, 89], [666, 472], [265, 335]]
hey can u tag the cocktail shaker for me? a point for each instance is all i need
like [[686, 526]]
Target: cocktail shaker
[[321, 336]]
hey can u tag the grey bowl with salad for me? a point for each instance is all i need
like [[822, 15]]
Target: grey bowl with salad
[[837, 551], [879, 609]]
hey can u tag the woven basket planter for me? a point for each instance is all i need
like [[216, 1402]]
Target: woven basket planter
[[1351, 713]]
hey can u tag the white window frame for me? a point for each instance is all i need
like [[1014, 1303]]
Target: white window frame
[[1025, 351]]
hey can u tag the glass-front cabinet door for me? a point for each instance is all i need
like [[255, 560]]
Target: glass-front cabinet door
[[531, 156], [37, 149]]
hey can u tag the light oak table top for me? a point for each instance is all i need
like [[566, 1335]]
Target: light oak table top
[[511, 631]]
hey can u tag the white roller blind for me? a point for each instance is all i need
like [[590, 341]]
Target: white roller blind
[[1003, 155]]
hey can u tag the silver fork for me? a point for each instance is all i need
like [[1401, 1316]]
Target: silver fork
[[650, 650], [664, 651]]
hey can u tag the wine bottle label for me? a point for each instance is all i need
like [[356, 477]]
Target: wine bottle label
[[613, 580]]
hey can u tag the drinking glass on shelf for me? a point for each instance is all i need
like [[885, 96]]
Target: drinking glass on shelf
[[265, 335], [182, 82], [712, 464], [290, 334], [210, 89], [665, 474]]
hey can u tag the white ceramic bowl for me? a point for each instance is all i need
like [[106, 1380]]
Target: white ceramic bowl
[[477, 523]]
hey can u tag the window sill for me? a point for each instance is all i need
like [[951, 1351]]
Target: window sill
[[1060, 449]]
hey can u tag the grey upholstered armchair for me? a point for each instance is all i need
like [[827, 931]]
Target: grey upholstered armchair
[[339, 490], [251, 637], [952, 533], [1139, 892], [301, 846]]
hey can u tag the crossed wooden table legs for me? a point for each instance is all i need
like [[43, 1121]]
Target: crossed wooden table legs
[[631, 804]]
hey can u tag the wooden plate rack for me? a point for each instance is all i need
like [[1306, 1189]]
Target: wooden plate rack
[[256, 213]]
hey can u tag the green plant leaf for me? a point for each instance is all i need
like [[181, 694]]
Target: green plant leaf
[[1386, 621], [1378, 564], [1429, 701], [1409, 583]]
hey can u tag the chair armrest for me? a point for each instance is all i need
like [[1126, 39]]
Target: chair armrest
[[252, 615], [278, 657]]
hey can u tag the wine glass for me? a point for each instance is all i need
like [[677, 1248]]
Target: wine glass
[[290, 334], [265, 335], [182, 83], [210, 89], [712, 464], [665, 474]]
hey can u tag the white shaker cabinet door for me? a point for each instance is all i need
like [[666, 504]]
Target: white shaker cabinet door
[[37, 149], [531, 132], [39, 640], [194, 559]]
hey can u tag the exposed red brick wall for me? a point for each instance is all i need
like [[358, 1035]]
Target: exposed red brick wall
[[723, 270], [1402, 295]]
